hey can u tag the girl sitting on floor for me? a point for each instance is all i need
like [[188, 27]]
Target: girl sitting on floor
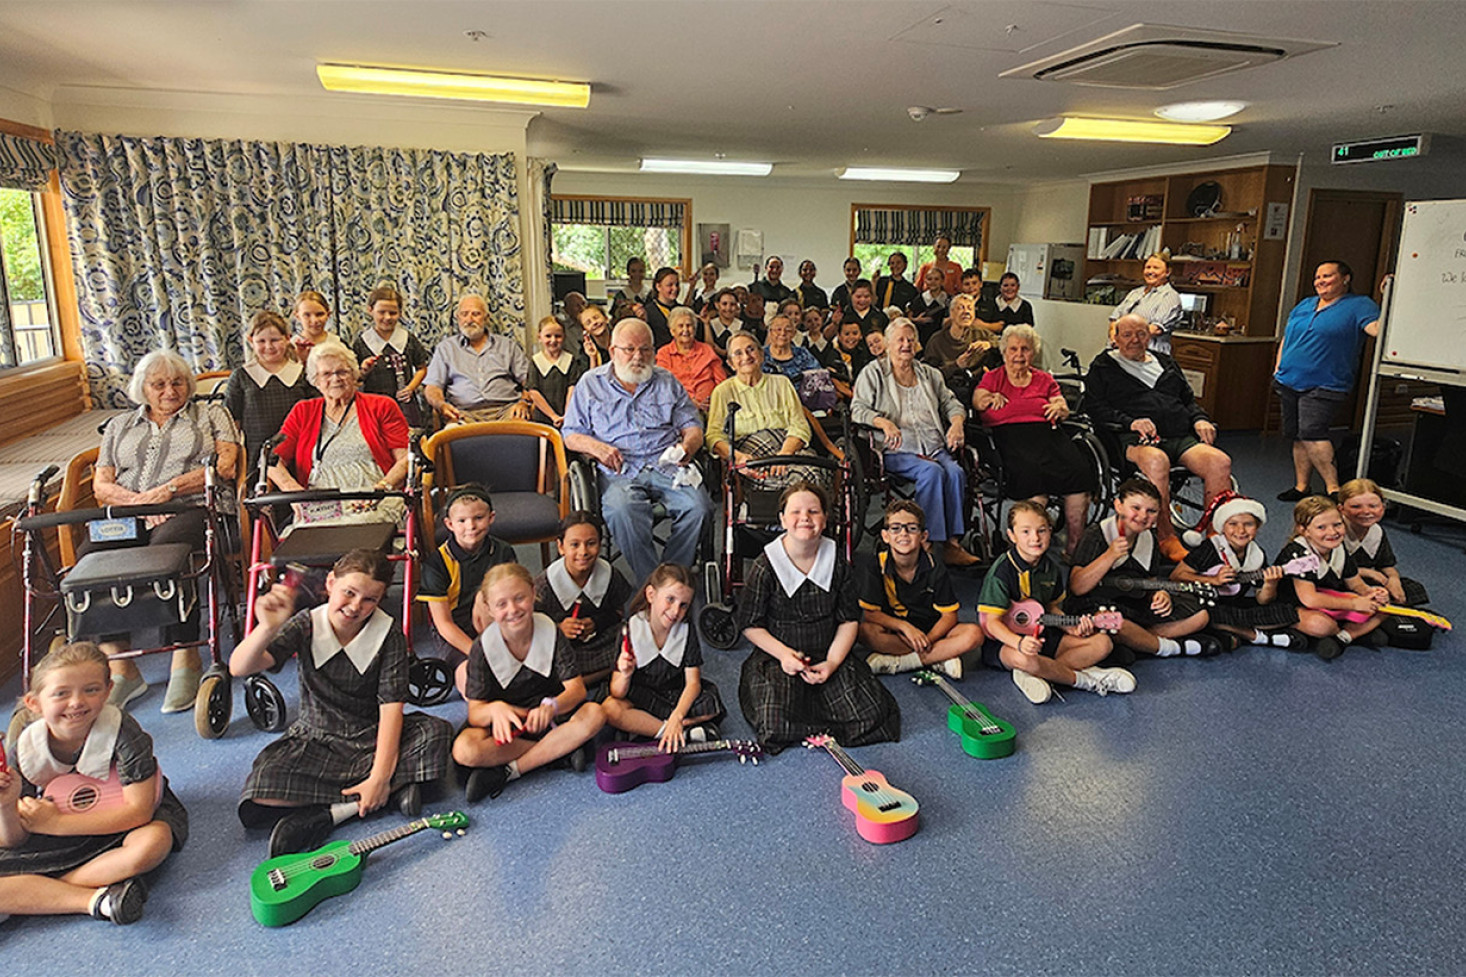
[[802, 614], [585, 596], [657, 689], [351, 748], [1363, 507], [53, 861], [526, 701], [1335, 604]]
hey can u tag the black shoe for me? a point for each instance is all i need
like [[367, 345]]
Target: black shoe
[[486, 782], [409, 801], [1225, 641], [1293, 495], [122, 902], [1297, 640], [1328, 648], [303, 830]]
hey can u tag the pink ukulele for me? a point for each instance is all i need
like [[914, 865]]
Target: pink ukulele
[[883, 814], [75, 793]]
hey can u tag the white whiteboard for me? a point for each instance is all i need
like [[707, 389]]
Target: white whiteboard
[[1427, 325]]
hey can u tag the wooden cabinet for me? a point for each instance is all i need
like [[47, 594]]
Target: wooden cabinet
[[1229, 375], [1243, 289]]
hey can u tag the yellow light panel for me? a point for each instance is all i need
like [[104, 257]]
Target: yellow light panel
[[1129, 130], [443, 84]]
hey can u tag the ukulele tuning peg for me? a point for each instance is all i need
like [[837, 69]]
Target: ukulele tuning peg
[[447, 835], [461, 832]]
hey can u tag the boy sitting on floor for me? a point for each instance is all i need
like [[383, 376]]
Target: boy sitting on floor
[[910, 608]]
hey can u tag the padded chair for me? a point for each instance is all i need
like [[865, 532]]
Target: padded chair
[[211, 383], [522, 464]]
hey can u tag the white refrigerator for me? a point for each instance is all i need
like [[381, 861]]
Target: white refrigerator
[[1048, 271]]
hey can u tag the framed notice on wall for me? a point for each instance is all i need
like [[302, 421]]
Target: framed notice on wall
[[713, 245]]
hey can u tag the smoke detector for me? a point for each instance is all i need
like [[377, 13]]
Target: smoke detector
[[1157, 57]]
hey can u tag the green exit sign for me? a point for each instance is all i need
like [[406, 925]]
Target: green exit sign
[[1390, 147]]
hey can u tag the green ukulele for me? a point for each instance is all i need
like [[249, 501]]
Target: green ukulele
[[983, 735], [283, 889]]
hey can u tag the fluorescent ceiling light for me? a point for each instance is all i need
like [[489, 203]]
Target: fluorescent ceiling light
[[897, 174], [717, 167], [1129, 130], [1199, 111], [445, 84]]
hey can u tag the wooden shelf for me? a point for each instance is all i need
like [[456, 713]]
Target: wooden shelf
[[1212, 220]]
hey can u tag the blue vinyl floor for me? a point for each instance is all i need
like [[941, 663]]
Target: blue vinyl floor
[[1258, 813]]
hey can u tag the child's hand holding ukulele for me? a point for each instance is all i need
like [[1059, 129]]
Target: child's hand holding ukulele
[[1160, 603], [504, 722], [673, 734]]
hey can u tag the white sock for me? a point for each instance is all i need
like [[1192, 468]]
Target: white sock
[[513, 767], [97, 897], [1191, 646], [1344, 637], [909, 662], [1168, 648], [345, 811]]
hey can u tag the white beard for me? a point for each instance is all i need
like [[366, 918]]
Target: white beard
[[632, 376]]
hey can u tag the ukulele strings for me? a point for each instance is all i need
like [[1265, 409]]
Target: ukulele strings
[[367, 845], [988, 728], [880, 795]]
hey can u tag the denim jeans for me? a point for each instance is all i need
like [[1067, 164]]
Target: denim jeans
[[626, 505]]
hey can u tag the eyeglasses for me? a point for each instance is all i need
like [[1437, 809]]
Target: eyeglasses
[[635, 350], [904, 529]]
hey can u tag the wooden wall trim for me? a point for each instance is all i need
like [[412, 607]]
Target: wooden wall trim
[[26, 132]]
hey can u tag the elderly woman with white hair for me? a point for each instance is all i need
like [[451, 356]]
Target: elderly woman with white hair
[[1022, 407], [344, 439], [920, 424], [158, 453]]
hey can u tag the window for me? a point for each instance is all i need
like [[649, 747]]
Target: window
[[598, 235], [878, 230], [27, 323]]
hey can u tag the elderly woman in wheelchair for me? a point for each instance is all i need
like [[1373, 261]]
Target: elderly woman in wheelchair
[[920, 426], [158, 453], [768, 419], [1022, 409]]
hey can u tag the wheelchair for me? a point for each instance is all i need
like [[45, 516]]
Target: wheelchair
[[273, 552], [750, 519], [127, 589]]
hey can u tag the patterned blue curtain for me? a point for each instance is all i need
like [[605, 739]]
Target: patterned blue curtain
[[177, 242]]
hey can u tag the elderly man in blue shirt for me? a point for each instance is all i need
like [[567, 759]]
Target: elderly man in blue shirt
[[636, 420], [477, 375]]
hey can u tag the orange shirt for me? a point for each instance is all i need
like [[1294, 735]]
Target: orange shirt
[[698, 370]]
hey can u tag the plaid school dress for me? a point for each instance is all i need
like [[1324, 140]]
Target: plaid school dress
[[660, 675]]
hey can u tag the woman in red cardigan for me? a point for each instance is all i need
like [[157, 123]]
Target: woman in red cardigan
[[345, 440]]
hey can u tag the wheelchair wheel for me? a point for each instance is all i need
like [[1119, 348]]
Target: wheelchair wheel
[[1094, 452], [860, 491], [429, 682], [265, 704], [717, 626], [1187, 499], [584, 490], [214, 705]]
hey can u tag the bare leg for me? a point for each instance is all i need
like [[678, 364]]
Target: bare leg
[[1044, 667], [1301, 466], [476, 747], [121, 667], [1136, 638], [38, 895], [141, 851], [1181, 628], [1321, 457], [958, 641], [622, 715], [882, 641], [1156, 468], [1076, 507]]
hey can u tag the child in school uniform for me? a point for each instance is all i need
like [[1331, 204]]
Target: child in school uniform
[[1027, 572], [451, 574], [311, 313], [585, 596], [526, 703], [657, 689], [352, 748], [800, 611], [1363, 506], [1124, 546], [54, 861], [909, 607], [1328, 597], [553, 373], [393, 361], [1253, 615]]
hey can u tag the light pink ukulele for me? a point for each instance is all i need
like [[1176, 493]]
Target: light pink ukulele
[[75, 793]]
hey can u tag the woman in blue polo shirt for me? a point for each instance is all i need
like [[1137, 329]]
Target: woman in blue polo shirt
[[1316, 367]]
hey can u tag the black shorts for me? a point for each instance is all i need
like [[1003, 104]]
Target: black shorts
[[1308, 414], [1173, 447], [992, 649]]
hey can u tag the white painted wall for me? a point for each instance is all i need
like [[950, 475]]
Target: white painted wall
[[799, 218], [19, 107]]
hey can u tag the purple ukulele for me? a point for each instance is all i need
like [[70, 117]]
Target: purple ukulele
[[622, 766]]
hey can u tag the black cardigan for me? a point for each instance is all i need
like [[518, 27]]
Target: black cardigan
[[1113, 396]]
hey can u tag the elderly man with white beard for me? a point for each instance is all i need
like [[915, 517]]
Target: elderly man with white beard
[[636, 421]]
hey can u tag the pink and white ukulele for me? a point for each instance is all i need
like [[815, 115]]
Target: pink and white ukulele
[[883, 814], [1307, 563], [75, 793]]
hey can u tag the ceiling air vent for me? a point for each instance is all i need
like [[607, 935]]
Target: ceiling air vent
[[1155, 57]]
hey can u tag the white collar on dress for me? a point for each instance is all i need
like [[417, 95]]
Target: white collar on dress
[[1369, 543], [1334, 561], [375, 342], [545, 363], [39, 766], [1010, 306], [361, 650], [644, 643], [791, 577], [288, 374], [1142, 547], [1251, 560], [541, 657], [567, 591]]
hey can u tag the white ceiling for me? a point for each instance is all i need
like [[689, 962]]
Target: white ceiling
[[807, 84]]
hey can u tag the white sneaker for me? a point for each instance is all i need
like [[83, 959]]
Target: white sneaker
[[952, 668], [1104, 680], [1036, 689], [892, 664]]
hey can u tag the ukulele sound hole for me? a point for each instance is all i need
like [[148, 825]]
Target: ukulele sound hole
[[84, 797], [323, 862]]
